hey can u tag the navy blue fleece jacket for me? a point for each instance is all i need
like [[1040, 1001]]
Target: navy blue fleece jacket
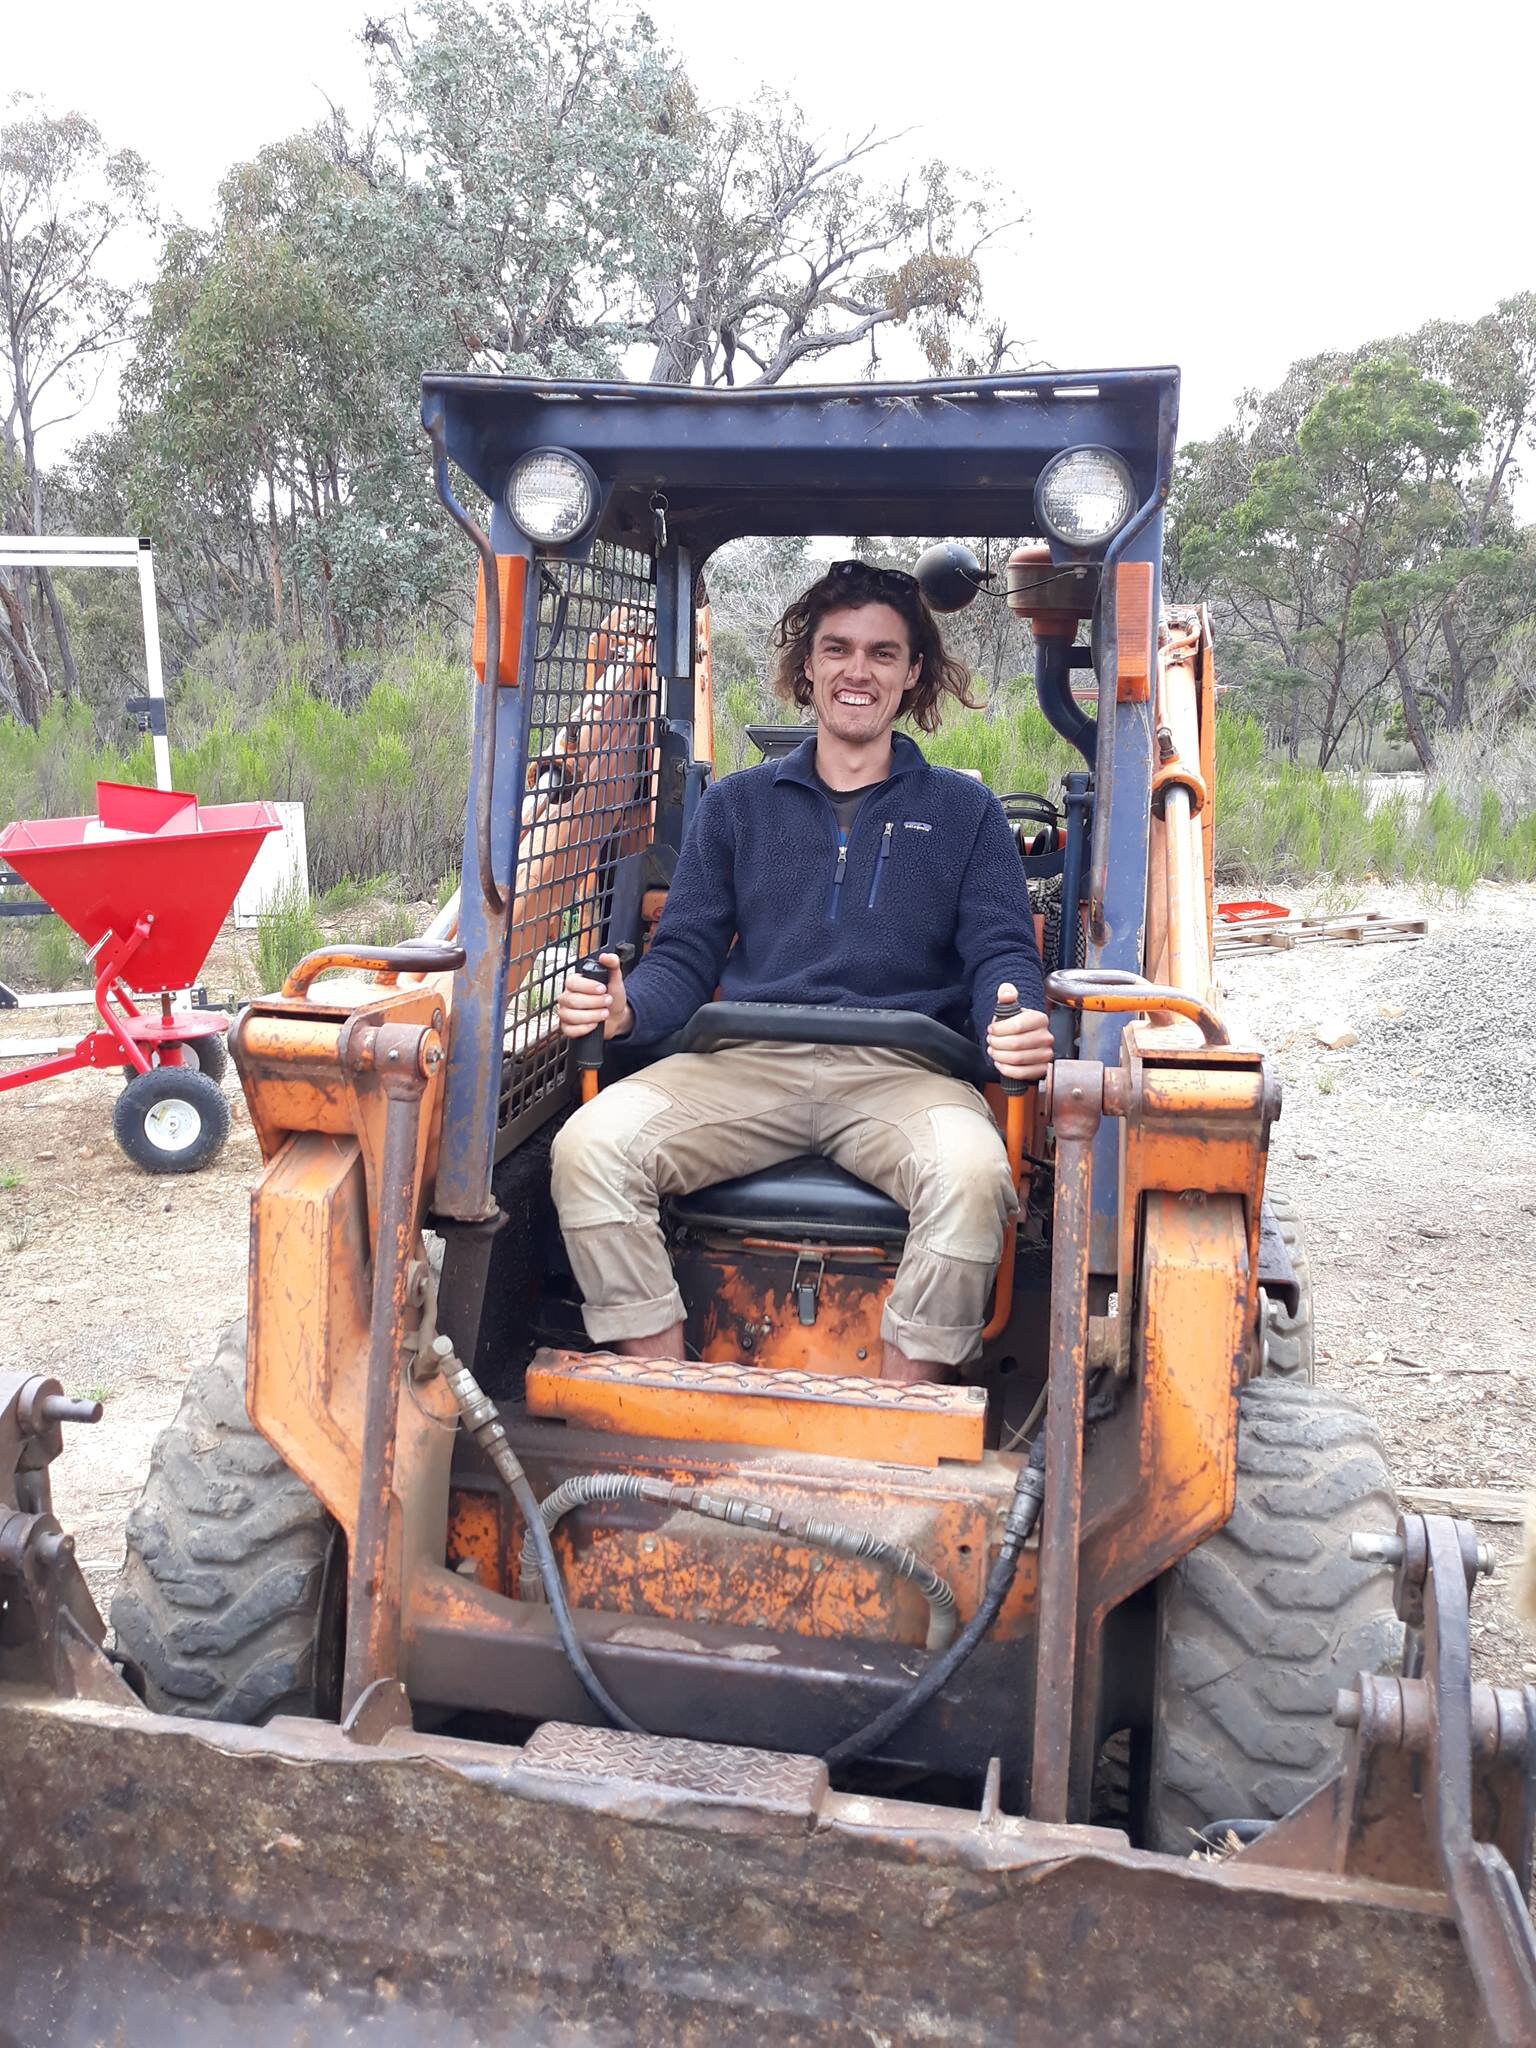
[[928, 910]]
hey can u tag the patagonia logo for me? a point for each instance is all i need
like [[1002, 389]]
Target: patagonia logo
[[914, 825]]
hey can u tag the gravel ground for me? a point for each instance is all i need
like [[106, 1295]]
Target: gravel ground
[[1412, 1155]]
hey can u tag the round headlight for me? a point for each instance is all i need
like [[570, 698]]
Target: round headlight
[[552, 496], [1084, 495]]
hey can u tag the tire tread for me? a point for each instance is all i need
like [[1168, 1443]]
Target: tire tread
[[1266, 1620], [220, 1595]]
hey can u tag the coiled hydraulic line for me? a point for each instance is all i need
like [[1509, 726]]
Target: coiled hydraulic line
[[843, 1541]]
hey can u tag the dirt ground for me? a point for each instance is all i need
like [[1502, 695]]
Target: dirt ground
[[1412, 1155]]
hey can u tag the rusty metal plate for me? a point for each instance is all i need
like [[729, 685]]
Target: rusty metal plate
[[876, 1421], [762, 1779]]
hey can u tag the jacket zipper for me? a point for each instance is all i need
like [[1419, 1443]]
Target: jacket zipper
[[880, 861], [841, 870]]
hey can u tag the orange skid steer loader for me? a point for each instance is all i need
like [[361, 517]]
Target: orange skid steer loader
[[469, 1683]]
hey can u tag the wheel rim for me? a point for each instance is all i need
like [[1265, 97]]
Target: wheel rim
[[173, 1125]]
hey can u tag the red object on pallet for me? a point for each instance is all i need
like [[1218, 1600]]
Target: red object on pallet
[[1253, 911], [146, 883]]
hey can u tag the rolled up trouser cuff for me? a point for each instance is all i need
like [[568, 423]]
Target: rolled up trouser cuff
[[931, 1343], [608, 1325], [626, 1282]]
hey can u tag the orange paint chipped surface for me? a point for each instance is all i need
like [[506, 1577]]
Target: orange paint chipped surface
[[871, 1420]]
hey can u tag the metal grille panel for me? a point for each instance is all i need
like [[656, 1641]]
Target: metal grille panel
[[589, 800]]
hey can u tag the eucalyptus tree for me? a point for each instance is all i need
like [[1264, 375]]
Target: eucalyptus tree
[[595, 213], [63, 198], [1344, 553]]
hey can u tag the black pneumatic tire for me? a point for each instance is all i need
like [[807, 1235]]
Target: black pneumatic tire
[[171, 1120], [210, 1052], [1290, 1340], [1265, 1622], [230, 1599]]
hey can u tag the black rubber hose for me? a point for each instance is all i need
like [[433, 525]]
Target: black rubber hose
[[1023, 1513], [484, 1425], [583, 1488]]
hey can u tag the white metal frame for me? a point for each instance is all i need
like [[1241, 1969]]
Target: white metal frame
[[105, 551]]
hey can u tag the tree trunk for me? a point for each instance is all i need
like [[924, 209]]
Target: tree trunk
[[1456, 716], [274, 559], [35, 491], [1412, 716], [1328, 738], [32, 686], [60, 635]]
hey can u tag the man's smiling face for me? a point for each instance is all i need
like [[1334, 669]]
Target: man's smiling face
[[860, 667]]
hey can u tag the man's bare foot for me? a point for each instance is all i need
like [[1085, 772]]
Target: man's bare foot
[[665, 1344], [910, 1372]]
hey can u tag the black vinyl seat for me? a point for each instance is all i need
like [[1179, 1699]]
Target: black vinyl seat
[[806, 1197]]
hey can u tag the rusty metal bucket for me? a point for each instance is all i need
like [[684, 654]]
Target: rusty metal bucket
[[172, 1882]]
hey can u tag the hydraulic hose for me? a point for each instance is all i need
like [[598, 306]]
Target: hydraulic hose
[[1023, 1513], [838, 1537], [484, 1425]]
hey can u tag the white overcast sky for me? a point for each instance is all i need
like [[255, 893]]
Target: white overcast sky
[[1225, 187]]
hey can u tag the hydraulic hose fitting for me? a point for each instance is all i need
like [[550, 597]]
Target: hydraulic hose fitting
[[1027, 1500], [478, 1411]]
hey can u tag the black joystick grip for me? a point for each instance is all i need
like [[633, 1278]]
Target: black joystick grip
[[589, 1048], [1000, 1016]]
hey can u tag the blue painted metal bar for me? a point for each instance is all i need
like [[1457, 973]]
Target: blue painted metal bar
[[1117, 894], [473, 1084]]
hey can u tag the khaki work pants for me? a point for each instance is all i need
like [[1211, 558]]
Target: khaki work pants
[[927, 1141]]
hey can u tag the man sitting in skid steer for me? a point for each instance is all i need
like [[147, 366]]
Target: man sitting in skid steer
[[849, 873]]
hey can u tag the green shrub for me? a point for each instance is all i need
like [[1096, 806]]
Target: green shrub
[[58, 958], [394, 928], [348, 895], [1285, 821], [284, 934], [380, 761]]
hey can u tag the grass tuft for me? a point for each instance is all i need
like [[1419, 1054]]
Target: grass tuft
[[284, 934], [395, 927]]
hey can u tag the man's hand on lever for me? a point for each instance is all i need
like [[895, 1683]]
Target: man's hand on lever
[[586, 1005], [1019, 1046]]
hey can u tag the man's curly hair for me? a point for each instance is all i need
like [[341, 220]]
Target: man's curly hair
[[850, 584]]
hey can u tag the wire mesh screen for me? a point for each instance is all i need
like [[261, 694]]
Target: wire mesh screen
[[589, 801]]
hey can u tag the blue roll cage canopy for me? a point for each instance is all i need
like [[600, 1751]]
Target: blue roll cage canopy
[[947, 456]]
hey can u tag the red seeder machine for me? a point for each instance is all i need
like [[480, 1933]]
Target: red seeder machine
[[146, 883]]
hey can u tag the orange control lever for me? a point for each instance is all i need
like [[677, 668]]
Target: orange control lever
[[1013, 1137], [1114, 989]]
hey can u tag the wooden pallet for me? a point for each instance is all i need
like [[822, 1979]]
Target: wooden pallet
[[1358, 928]]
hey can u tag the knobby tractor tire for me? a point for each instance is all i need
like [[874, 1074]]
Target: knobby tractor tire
[[230, 1600], [1290, 1340], [1264, 1623]]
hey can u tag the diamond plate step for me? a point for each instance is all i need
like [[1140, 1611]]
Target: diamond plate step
[[820, 1413], [790, 1788]]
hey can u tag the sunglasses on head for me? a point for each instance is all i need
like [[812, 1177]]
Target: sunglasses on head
[[896, 580]]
